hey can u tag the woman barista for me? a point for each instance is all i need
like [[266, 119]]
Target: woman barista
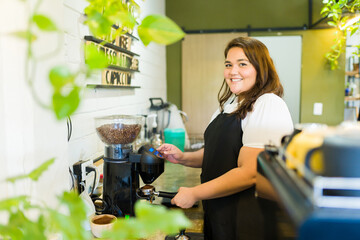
[[251, 114]]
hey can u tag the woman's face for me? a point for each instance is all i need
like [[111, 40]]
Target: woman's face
[[239, 73]]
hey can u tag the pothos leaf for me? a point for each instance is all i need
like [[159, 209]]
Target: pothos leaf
[[26, 35], [9, 203], [125, 19], [16, 178], [9, 232], [99, 25], [160, 218], [35, 174], [44, 23], [30, 229], [65, 105], [332, 23], [353, 31], [159, 29], [71, 224], [324, 10], [60, 76], [149, 219], [74, 203], [134, 230], [94, 58]]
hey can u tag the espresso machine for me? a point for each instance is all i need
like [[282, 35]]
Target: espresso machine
[[123, 166]]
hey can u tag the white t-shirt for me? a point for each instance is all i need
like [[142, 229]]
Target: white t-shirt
[[269, 121]]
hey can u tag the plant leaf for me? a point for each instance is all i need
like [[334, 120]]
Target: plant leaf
[[33, 175], [66, 96], [26, 35], [332, 23], [160, 218], [65, 105], [9, 203], [324, 10], [159, 29], [353, 31], [36, 173], [149, 219], [70, 225], [60, 76], [99, 25], [94, 58], [126, 19], [44, 23], [11, 232], [16, 178], [134, 230], [30, 229]]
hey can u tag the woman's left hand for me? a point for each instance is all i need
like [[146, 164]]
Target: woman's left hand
[[185, 198]]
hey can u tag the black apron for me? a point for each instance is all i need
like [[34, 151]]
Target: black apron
[[237, 216]]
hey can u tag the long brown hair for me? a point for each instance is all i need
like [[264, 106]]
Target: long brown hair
[[267, 79]]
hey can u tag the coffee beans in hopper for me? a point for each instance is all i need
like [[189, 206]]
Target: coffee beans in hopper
[[118, 133]]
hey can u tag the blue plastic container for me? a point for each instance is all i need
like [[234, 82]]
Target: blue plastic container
[[176, 137]]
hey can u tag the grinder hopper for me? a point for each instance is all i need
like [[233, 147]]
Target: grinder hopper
[[118, 132]]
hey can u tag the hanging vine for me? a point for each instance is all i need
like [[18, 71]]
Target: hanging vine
[[340, 13]]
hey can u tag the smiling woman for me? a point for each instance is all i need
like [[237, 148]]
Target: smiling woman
[[251, 114]]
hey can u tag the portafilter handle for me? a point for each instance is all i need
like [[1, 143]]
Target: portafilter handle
[[165, 194]]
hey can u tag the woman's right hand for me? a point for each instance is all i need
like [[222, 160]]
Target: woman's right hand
[[171, 153]]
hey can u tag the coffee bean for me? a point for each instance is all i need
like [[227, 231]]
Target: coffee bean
[[118, 133]]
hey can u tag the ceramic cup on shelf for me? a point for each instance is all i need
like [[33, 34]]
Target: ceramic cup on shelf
[[341, 155], [100, 223]]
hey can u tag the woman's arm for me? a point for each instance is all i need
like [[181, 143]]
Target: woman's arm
[[175, 155], [235, 180], [193, 159], [264, 188]]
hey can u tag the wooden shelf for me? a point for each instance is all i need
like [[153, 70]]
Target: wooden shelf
[[114, 67], [351, 98], [110, 86], [353, 73], [109, 45]]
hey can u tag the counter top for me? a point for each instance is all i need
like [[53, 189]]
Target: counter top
[[176, 176]]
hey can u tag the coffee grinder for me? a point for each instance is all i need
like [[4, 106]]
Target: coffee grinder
[[122, 166]]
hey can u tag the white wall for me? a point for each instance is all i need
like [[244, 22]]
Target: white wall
[[84, 143], [29, 135]]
